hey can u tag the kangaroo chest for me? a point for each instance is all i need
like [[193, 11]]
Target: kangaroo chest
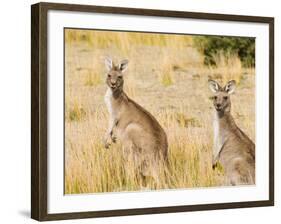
[[220, 136], [108, 101], [113, 105]]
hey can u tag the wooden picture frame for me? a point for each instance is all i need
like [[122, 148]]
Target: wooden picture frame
[[39, 110]]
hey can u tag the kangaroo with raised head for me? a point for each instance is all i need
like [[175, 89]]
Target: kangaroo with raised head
[[138, 131], [233, 149]]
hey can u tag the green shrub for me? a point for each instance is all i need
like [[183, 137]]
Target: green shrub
[[210, 46]]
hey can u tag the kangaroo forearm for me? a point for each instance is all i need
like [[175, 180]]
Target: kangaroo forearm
[[111, 126]]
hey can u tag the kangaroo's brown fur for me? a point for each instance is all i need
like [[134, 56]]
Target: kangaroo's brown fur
[[142, 137], [233, 149]]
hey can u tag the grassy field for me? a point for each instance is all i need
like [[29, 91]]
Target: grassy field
[[167, 76]]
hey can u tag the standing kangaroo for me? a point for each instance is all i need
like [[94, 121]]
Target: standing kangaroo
[[141, 135], [233, 149]]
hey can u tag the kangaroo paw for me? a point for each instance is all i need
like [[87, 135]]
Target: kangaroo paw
[[114, 139], [107, 145], [107, 142]]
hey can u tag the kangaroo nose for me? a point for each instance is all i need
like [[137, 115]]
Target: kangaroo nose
[[218, 105]]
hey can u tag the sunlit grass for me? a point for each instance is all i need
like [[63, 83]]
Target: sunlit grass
[[228, 67], [93, 79], [77, 113], [166, 78], [124, 40], [166, 71], [166, 75]]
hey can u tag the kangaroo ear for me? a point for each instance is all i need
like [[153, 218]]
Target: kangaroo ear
[[108, 63], [214, 86], [230, 87], [123, 65]]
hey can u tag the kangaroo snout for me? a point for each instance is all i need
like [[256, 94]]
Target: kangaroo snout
[[113, 83], [218, 106]]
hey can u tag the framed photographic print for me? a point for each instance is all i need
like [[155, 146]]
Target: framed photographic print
[[139, 111]]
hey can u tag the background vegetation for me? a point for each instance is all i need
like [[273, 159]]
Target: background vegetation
[[211, 46], [167, 75]]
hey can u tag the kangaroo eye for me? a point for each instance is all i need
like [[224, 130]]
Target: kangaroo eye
[[215, 97], [109, 76], [225, 97], [119, 77]]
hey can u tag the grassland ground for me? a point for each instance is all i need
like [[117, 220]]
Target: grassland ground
[[167, 76]]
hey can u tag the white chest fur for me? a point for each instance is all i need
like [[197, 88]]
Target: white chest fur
[[219, 137], [108, 101]]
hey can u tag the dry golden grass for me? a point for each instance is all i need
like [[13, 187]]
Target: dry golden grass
[[166, 76], [229, 67]]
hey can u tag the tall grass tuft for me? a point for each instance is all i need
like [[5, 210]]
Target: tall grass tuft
[[166, 72], [228, 66], [76, 113], [166, 78]]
